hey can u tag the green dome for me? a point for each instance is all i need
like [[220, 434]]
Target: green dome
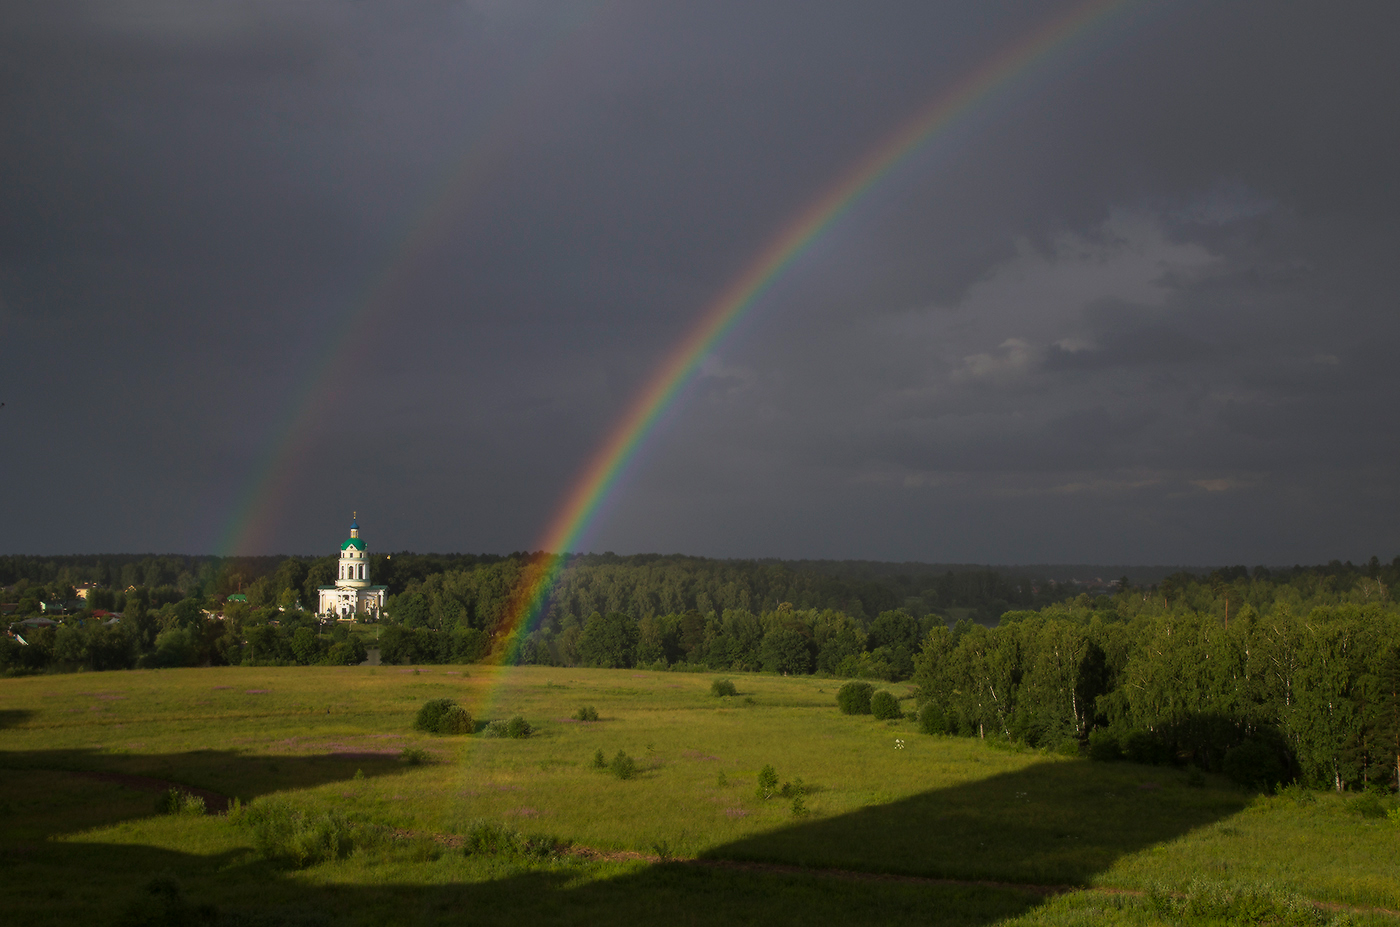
[[353, 542]]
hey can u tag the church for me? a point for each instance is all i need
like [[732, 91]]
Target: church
[[352, 593]]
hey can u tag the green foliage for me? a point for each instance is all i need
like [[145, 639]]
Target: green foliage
[[722, 687], [443, 716], [884, 706], [287, 833], [1210, 904], [414, 756], [932, 720], [767, 782], [431, 713], [163, 902], [1255, 764], [1104, 746], [853, 698], [586, 713], [175, 800], [599, 761], [623, 766], [799, 806], [484, 838], [516, 727], [1367, 806], [1146, 747], [456, 720], [609, 641]]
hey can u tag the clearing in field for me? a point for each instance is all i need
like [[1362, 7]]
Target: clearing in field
[[663, 809]]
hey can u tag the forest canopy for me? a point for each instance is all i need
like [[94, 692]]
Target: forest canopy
[[1271, 675]]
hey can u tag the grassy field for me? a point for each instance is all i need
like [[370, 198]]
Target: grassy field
[[689, 840]]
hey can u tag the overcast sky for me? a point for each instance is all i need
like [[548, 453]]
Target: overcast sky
[[1140, 306]]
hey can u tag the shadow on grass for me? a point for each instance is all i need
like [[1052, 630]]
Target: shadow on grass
[[1051, 824], [14, 717], [216, 775], [1057, 823]]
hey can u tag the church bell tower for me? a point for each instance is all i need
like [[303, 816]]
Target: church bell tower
[[354, 562]]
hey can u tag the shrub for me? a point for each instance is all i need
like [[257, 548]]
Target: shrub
[[518, 727], [799, 807], [932, 720], [1254, 764], [767, 782], [721, 687], [586, 713], [413, 756], [854, 698], [443, 716], [283, 832], [623, 766], [794, 788], [177, 801], [1147, 748], [1368, 806], [456, 720], [1103, 746], [164, 901], [884, 706], [486, 839], [600, 761]]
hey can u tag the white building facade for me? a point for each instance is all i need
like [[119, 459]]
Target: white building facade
[[352, 593]]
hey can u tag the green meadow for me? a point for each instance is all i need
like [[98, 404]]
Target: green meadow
[[869, 822]]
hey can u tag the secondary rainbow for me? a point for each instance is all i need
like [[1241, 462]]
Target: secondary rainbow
[[600, 477], [248, 527]]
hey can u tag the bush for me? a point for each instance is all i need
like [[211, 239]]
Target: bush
[[486, 839], [177, 801], [884, 706], [1147, 748], [854, 698], [164, 902], [721, 687], [623, 766], [456, 720], [600, 761], [586, 713], [1103, 746], [1368, 806], [1254, 764], [286, 833], [932, 720], [794, 788], [413, 756], [515, 727], [443, 716], [767, 782]]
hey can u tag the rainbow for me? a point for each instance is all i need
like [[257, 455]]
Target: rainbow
[[418, 236], [601, 476]]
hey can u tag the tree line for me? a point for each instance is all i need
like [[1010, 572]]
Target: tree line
[[1297, 670]]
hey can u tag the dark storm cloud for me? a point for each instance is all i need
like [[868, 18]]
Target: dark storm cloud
[[1138, 307]]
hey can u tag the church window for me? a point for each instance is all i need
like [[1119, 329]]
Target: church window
[[362, 571]]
